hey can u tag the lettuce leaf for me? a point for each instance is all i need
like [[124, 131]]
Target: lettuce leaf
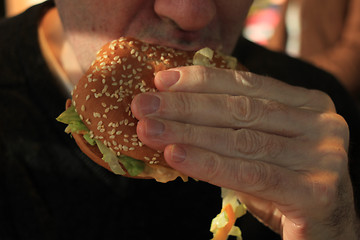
[[75, 125], [222, 219], [133, 166]]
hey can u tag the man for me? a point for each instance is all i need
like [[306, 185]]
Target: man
[[283, 148]]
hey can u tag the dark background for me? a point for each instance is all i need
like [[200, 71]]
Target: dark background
[[2, 8]]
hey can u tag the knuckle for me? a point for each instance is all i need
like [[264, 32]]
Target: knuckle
[[255, 145], [257, 175], [336, 126], [321, 100], [241, 109], [272, 147], [325, 191], [247, 110], [329, 190], [246, 142], [335, 158]]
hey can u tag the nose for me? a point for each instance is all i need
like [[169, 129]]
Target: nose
[[189, 15]]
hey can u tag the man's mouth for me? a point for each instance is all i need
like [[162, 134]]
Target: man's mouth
[[182, 40]]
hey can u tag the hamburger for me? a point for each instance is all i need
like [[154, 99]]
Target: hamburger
[[99, 115], [100, 120]]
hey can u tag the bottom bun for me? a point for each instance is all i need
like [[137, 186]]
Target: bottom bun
[[151, 171]]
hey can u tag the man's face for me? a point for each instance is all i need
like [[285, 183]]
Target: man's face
[[182, 24]]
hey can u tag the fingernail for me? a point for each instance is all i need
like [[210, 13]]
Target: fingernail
[[154, 128], [168, 78], [178, 154], [148, 103]]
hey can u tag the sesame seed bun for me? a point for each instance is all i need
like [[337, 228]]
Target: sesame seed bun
[[124, 68]]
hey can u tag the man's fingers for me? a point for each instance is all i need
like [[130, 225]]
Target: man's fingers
[[244, 143], [296, 194], [212, 80], [221, 110], [257, 178]]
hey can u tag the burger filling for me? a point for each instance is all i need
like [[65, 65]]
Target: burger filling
[[116, 163]]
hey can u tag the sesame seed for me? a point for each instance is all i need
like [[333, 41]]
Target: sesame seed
[[96, 115], [105, 88]]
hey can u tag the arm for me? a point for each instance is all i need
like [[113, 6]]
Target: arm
[[283, 148], [343, 58]]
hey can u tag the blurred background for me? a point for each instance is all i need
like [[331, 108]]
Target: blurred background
[[14, 7], [262, 20]]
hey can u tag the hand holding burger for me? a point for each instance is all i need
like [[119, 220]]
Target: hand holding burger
[[104, 126]]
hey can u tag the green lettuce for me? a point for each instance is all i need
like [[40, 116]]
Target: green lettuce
[[75, 125]]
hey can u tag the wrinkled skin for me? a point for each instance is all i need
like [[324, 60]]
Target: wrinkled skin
[[283, 148], [286, 154]]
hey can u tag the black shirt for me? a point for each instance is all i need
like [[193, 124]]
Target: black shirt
[[50, 190]]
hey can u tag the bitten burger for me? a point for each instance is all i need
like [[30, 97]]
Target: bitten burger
[[99, 116]]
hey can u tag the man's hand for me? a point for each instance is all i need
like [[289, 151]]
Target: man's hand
[[283, 148]]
